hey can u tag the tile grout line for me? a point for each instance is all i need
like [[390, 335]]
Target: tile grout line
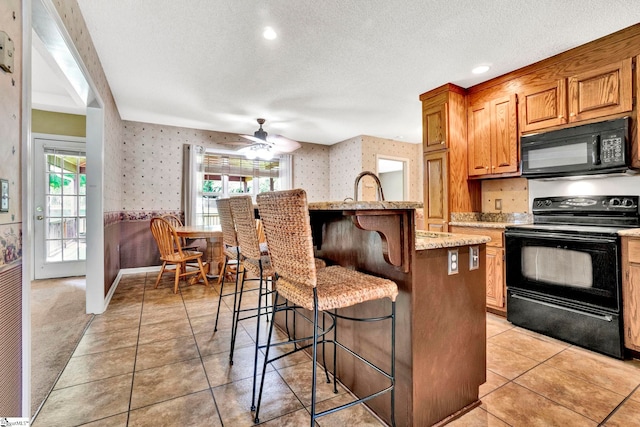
[[215, 403], [608, 417], [135, 359]]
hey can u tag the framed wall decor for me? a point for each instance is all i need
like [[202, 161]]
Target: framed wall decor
[[4, 195]]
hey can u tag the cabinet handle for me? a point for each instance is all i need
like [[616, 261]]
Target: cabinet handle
[[572, 114], [560, 116], [442, 142]]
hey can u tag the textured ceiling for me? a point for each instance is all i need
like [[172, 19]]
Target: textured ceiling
[[338, 68]]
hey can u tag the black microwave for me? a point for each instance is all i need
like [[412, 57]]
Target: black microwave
[[596, 148]]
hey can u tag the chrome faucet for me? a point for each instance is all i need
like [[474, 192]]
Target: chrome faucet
[[375, 177]]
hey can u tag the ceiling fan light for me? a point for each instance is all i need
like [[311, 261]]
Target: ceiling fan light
[[264, 153], [251, 154]]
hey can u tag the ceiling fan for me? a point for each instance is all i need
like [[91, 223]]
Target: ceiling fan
[[264, 146]]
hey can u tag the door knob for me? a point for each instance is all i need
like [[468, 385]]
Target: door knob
[[40, 217]]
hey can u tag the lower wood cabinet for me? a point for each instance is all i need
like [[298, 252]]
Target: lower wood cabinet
[[496, 286], [631, 291]]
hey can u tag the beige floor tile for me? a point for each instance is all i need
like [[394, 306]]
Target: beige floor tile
[[86, 402], [97, 366], [163, 331], [220, 372], [527, 345], [627, 415], [636, 395], [615, 375], [290, 360], [478, 417], [570, 391], [167, 382], [497, 325], [298, 378], [158, 353], [193, 410], [102, 323], [519, 406], [507, 363], [218, 342], [100, 342], [357, 415], [154, 314], [234, 401], [294, 419], [119, 420], [205, 323], [493, 382]]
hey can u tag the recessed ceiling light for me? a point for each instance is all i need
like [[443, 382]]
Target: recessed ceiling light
[[269, 33], [480, 69]]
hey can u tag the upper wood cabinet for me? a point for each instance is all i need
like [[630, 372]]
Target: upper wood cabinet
[[493, 137], [435, 127], [543, 105], [600, 92], [446, 187]]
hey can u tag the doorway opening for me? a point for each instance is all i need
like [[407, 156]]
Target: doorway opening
[[393, 173]]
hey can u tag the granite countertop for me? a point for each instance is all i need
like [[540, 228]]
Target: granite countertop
[[632, 232], [435, 240], [489, 219], [362, 205]]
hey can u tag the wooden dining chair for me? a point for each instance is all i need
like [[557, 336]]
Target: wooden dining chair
[[171, 252], [175, 221]]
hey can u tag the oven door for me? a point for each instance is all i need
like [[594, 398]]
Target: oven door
[[576, 269]]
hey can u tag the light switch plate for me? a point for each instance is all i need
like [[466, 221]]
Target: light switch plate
[[4, 195], [453, 261], [474, 257]]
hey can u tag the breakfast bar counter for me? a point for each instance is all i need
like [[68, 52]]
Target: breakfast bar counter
[[440, 330]]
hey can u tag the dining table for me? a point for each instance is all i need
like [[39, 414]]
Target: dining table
[[214, 255]]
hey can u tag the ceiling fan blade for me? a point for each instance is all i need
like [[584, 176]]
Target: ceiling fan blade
[[254, 139], [282, 143]]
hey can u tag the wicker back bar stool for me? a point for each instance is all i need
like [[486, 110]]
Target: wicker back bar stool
[[232, 259], [286, 222], [256, 262]]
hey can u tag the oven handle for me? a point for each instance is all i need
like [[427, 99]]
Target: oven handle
[[605, 317], [559, 236]]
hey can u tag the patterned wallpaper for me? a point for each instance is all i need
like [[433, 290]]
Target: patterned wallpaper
[[372, 146], [311, 171], [151, 165], [71, 16], [10, 137], [345, 165]]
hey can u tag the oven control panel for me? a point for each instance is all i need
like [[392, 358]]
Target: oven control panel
[[585, 204]]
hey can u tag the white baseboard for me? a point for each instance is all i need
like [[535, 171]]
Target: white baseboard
[[125, 271]]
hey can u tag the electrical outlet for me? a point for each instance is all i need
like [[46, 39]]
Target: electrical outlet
[[453, 261], [474, 257], [498, 204]]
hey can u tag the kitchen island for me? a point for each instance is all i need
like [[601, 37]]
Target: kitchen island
[[440, 330]]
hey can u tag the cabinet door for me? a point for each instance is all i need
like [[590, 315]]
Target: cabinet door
[[479, 139], [436, 208], [631, 292], [434, 127], [504, 135], [601, 92], [543, 105], [495, 277]]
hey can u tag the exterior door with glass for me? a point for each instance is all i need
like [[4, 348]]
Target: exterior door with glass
[[60, 201]]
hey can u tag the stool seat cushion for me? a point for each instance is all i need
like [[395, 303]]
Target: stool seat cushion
[[338, 287]]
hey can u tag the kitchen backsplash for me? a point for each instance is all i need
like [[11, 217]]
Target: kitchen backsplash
[[513, 217], [512, 194]]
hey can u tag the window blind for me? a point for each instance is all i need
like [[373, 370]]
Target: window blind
[[230, 165]]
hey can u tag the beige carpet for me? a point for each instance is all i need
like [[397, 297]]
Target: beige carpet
[[58, 321]]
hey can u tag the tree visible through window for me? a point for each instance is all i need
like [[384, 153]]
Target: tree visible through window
[[226, 175]]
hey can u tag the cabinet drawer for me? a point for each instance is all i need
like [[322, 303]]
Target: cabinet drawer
[[495, 233], [634, 250]]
